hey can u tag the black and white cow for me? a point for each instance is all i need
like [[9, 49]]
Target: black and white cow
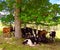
[[26, 32], [52, 35], [35, 36], [32, 41], [28, 42]]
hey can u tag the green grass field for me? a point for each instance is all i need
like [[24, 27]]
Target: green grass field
[[13, 44]]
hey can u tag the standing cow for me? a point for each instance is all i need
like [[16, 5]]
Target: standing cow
[[7, 31], [52, 35]]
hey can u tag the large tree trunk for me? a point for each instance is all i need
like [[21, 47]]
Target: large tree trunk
[[17, 22], [17, 28]]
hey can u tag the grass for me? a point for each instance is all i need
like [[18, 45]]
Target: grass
[[14, 44], [0, 32]]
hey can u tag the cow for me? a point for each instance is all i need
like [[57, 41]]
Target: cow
[[26, 32], [32, 41], [42, 36], [7, 31], [37, 37], [52, 35], [28, 42]]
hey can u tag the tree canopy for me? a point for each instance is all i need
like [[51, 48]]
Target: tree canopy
[[38, 11]]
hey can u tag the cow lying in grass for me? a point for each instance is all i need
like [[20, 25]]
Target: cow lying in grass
[[28, 42], [31, 41], [35, 37]]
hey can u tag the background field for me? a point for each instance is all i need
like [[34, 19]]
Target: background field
[[14, 44]]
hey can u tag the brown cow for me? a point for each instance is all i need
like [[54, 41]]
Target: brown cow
[[42, 36], [42, 33], [7, 31]]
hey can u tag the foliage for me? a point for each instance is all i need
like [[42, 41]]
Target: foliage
[[7, 19], [38, 11]]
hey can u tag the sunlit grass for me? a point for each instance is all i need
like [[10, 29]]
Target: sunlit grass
[[58, 34]]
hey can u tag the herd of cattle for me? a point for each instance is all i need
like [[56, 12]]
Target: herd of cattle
[[33, 35]]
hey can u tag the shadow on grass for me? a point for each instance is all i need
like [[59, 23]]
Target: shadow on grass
[[16, 44], [57, 40]]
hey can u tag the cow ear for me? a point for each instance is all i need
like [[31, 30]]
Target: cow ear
[[25, 42]]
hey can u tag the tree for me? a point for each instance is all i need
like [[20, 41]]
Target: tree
[[14, 11], [38, 11], [17, 21]]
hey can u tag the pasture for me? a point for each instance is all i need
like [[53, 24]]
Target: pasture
[[14, 44], [29, 25]]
